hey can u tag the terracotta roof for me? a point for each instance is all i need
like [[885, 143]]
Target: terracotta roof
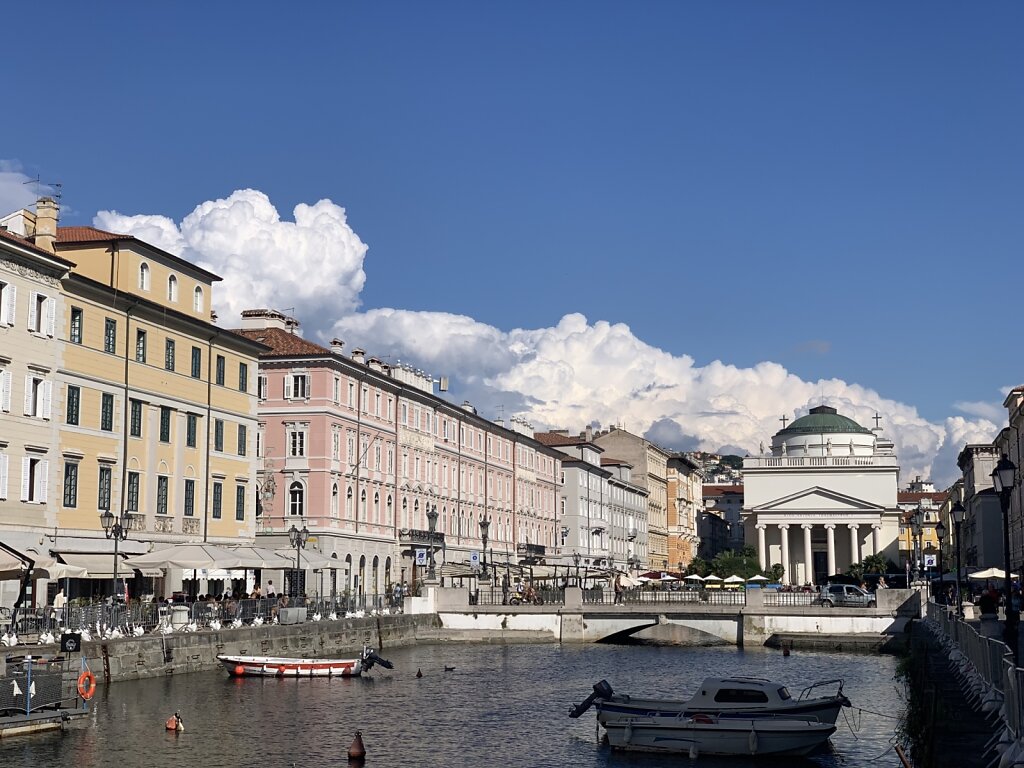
[[721, 490], [87, 235], [282, 343], [912, 497], [29, 245], [556, 439]]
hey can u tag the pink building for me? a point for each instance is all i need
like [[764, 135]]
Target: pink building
[[359, 452]]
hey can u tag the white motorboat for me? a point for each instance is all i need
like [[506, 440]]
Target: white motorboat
[[749, 697], [280, 666], [707, 735]]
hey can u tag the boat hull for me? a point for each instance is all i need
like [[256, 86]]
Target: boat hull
[[721, 737], [825, 710], [275, 666]]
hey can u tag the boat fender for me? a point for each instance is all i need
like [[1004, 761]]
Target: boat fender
[[86, 684], [693, 751], [752, 741], [700, 717], [239, 670], [281, 671], [627, 734]]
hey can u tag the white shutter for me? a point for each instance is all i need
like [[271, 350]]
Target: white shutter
[[47, 393], [3, 475], [24, 479], [51, 316], [28, 396], [4, 289], [32, 310], [287, 386], [43, 480], [5, 391], [12, 303]]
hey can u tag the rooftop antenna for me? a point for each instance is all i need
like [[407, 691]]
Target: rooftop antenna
[[291, 327]]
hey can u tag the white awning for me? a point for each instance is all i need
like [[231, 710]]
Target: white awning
[[101, 566]]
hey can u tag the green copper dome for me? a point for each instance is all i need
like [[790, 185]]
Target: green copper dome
[[823, 420]]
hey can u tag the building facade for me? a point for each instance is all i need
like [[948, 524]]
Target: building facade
[[726, 501], [685, 504]]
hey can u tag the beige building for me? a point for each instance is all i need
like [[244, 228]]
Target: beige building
[[650, 471], [685, 502]]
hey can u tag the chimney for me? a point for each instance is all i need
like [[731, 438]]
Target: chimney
[[357, 355], [268, 318], [46, 223], [590, 434], [337, 345]]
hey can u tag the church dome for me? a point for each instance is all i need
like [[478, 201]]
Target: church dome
[[823, 420]]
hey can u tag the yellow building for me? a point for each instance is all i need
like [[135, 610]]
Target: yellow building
[[156, 405], [684, 503]]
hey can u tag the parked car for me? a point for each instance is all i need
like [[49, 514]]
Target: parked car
[[845, 594]]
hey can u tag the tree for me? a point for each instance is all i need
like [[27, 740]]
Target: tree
[[776, 572], [697, 566], [744, 563], [875, 564]]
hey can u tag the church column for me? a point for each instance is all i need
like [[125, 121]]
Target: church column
[[808, 554], [854, 544], [762, 553], [784, 533], [830, 531], [876, 539]]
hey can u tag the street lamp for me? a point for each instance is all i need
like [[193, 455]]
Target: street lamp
[[485, 525], [431, 525], [298, 540], [116, 529], [940, 534], [576, 560], [1003, 479], [958, 512], [915, 544]]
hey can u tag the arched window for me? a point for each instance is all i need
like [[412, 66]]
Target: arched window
[[376, 575], [144, 276], [348, 503], [334, 500], [296, 499], [197, 299], [390, 519], [362, 504], [405, 513], [172, 288], [376, 507]]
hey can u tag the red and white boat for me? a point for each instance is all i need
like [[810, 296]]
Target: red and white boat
[[281, 666]]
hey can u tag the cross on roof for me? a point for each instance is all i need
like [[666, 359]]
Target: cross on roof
[[784, 419], [877, 419]]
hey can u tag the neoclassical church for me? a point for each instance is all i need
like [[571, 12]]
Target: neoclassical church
[[823, 498]]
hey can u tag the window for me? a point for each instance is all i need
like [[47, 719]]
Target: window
[[220, 370], [37, 396], [218, 434], [169, 355], [107, 412], [132, 504], [218, 499], [296, 387], [144, 276], [239, 502], [297, 443], [337, 390], [261, 387], [73, 406], [296, 499], [41, 314], [8, 303], [336, 445], [243, 377], [351, 394], [190, 498], [197, 363], [259, 442], [172, 289], [76, 326], [241, 439], [191, 426], [334, 500], [34, 477], [110, 336], [71, 485], [140, 346], [165, 424], [135, 424], [161, 495], [197, 299], [103, 497]]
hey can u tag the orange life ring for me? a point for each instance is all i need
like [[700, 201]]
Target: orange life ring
[[86, 685]]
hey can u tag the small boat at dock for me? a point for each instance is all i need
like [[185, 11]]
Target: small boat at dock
[[282, 666]]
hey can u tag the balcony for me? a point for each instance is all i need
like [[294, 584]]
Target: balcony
[[531, 554], [425, 538], [816, 462]]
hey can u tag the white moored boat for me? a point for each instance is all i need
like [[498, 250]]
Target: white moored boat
[[707, 735], [723, 696], [281, 666]]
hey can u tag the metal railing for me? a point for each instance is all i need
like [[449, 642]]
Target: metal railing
[[776, 598], [34, 685]]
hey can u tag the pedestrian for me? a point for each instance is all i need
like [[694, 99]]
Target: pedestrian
[[504, 588], [881, 583], [59, 601], [396, 593], [270, 589], [618, 588]]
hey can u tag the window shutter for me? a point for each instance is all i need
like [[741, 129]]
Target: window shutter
[[51, 316], [24, 479], [47, 393], [32, 301], [5, 391], [12, 303], [287, 387], [43, 479], [28, 396], [3, 475], [4, 290]]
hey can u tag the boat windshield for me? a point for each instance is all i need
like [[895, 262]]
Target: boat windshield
[[784, 693], [740, 696]]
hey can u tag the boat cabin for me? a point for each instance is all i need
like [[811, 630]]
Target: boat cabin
[[739, 691]]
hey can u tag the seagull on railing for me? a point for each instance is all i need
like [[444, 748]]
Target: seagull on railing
[[258, 621], [317, 616], [215, 625], [138, 631], [8, 639], [236, 623], [333, 616]]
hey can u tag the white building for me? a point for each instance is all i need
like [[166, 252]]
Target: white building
[[824, 498]]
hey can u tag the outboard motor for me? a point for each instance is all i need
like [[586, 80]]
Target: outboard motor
[[370, 658], [601, 691]]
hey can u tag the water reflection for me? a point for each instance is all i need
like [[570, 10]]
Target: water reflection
[[500, 705]]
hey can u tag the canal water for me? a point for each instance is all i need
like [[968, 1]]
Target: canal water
[[501, 705]]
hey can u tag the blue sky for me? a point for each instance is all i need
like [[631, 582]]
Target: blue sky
[[832, 188]]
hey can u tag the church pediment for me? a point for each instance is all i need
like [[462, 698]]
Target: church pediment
[[819, 499]]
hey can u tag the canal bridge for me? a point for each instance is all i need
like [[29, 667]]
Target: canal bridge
[[753, 617]]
